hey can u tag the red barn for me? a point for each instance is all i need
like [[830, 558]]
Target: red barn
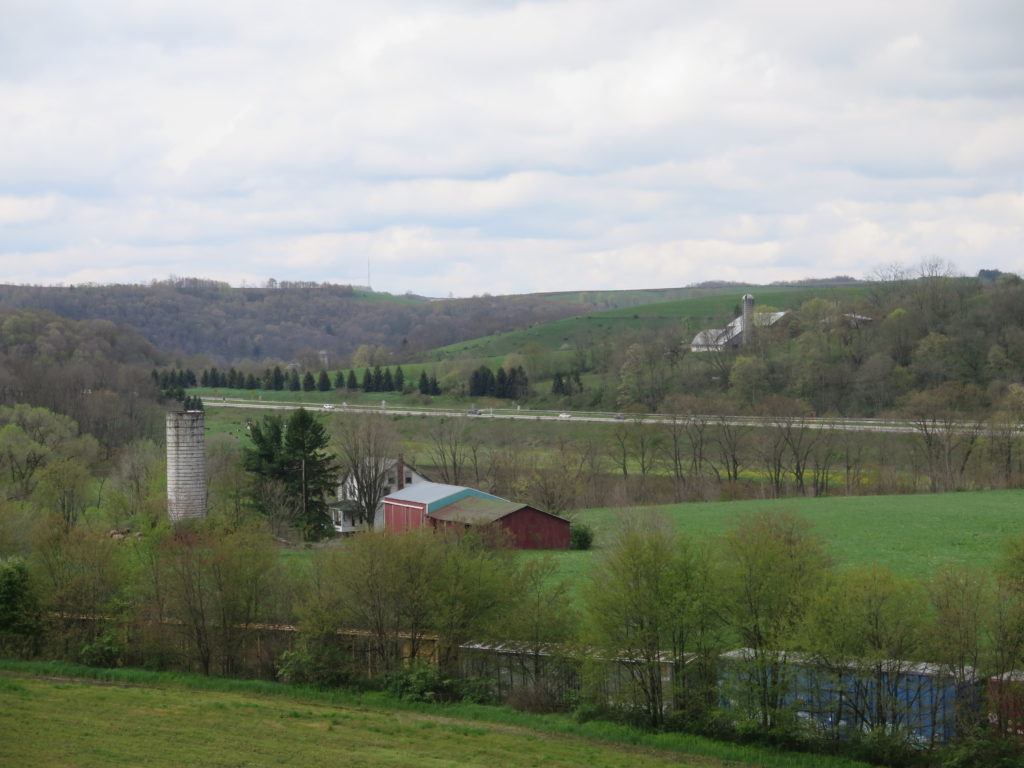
[[437, 505]]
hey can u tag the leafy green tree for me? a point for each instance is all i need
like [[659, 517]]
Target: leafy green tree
[[875, 618], [470, 592], [216, 585], [652, 596], [20, 617], [772, 566]]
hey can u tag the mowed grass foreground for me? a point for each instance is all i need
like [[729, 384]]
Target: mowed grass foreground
[[71, 721]]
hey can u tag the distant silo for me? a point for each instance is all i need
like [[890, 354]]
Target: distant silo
[[186, 480], [748, 319]]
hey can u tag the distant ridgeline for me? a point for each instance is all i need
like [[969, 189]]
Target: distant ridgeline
[[282, 319]]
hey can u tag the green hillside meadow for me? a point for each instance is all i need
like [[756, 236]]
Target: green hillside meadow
[[690, 314], [60, 717]]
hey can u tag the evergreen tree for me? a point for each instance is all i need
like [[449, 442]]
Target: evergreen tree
[[250, 382], [501, 384], [323, 382], [351, 382], [424, 383], [308, 382], [277, 378], [367, 381], [339, 380], [294, 384], [435, 388], [557, 385], [387, 383], [204, 380], [378, 379], [399, 380], [190, 377], [214, 377], [296, 456], [522, 383]]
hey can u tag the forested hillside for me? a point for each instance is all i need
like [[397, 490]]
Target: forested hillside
[[92, 371], [955, 343], [285, 321]]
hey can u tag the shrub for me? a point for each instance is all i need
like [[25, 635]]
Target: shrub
[[103, 651], [580, 536]]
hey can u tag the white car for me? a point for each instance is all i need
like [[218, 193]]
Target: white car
[[565, 415], [328, 407]]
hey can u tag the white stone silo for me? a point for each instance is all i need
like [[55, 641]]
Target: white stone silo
[[186, 476]]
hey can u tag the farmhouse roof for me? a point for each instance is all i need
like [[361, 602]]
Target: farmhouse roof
[[477, 511]]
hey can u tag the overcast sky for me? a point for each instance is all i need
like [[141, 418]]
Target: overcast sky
[[471, 146]]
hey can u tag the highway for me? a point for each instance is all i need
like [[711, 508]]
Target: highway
[[853, 425]]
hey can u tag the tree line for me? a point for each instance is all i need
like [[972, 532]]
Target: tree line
[[649, 637], [510, 385]]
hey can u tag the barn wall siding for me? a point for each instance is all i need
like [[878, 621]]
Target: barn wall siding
[[533, 529]]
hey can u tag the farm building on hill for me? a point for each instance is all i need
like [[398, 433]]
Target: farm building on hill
[[737, 333], [444, 506]]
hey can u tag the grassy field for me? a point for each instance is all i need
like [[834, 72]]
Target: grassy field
[[914, 535], [132, 718]]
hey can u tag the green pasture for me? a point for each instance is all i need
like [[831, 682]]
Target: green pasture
[[690, 315], [59, 715], [915, 535]]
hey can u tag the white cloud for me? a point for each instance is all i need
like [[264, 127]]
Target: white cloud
[[507, 146]]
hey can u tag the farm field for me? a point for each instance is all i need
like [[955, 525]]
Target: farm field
[[71, 721], [912, 534]]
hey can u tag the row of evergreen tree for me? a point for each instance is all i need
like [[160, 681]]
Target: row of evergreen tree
[[192, 403], [567, 384], [512, 385], [376, 380]]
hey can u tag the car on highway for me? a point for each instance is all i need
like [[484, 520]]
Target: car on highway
[[328, 407], [565, 415], [473, 411]]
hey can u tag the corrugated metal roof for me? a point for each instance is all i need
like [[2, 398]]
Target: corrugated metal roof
[[476, 511], [426, 493]]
